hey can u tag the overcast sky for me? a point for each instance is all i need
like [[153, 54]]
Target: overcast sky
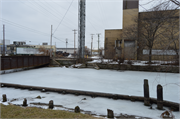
[[31, 20]]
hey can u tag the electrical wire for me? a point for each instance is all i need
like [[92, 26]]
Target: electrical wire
[[37, 8], [29, 29], [55, 14], [63, 17], [23, 27]]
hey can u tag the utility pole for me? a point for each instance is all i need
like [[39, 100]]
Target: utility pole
[[3, 40], [66, 44], [74, 41], [91, 43], [51, 42], [98, 42]]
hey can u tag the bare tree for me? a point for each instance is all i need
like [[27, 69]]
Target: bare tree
[[172, 36], [149, 27], [175, 2], [44, 51]]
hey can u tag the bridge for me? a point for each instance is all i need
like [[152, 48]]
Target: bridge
[[14, 62]]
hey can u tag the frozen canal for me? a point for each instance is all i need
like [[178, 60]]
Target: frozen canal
[[108, 81]]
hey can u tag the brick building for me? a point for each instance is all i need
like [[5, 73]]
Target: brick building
[[132, 46]]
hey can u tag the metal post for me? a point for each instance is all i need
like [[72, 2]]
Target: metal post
[[81, 28]]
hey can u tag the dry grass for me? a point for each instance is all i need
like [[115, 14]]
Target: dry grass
[[12, 111]]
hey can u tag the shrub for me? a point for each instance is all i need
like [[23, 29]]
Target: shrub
[[129, 62]]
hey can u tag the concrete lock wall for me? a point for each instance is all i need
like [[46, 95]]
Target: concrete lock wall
[[170, 69], [92, 94], [63, 62]]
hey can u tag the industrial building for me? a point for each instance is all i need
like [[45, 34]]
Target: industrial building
[[67, 50], [130, 45], [21, 48]]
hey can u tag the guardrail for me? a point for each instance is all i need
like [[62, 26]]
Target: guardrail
[[14, 62]]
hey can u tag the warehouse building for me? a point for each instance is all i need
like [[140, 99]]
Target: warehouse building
[[131, 46]]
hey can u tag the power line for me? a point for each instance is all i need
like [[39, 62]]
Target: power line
[[55, 14], [89, 21], [100, 13], [61, 40], [29, 29], [40, 10], [23, 27], [48, 6], [64, 16], [101, 9]]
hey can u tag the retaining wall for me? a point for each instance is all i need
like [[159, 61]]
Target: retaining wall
[[172, 105], [161, 68]]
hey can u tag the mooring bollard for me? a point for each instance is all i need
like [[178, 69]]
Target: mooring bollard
[[110, 113], [77, 109], [159, 97], [51, 105], [146, 93], [25, 102], [4, 98]]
